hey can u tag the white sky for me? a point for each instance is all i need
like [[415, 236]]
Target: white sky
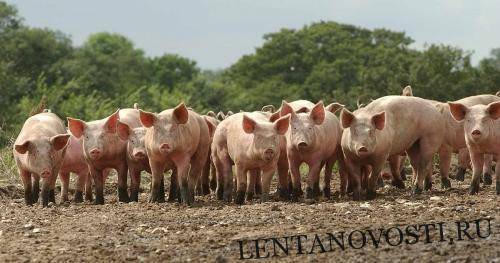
[[216, 33]]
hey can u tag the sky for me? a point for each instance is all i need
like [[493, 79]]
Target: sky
[[217, 33]]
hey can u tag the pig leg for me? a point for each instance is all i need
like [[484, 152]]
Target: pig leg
[[283, 178], [182, 165], [477, 165], [241, 174], [267, 176], [203, 187], [28, 194], [397, 181], [487, 172], [135, 182], [354, 172], [64, 186], [371, 190], [122, 183], [294, 166], [53, 179], [342, 172], [224, 177], [313, 179], [88, 186], [157, 169], [213, 177], [402, 169], [80, 185], [497, 174], [328, 176], [173, 193], [444, 165], [258, 184], [36, 188], [98, 179], [45, 191], [423, 151], [463, 163], [252, 178]]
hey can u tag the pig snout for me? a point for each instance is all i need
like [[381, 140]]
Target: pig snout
[[362, 151], [476, 134], [140, 155], [45, 174], [302, 145], [165, 148], [94, 153], [269, 154]]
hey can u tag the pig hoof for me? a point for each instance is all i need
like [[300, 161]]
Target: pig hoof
[[403, 174], [123, 195], [417, 190], [398, 184], [78, 198], [487, 179], [380, 183], [28, 199], [310, 193], [35, 196], [213, 185], [52, 196], [258, 189], [264, 197], [99, 200], [356, 195], [327, 192], [283, 194], [460, 175], [474, 188], [240, 197], [88, 197], [249, 196], [445, 183], [427, 184], [371, 194], [296, 193], [220, 193]]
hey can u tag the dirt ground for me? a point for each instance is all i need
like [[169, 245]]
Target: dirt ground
[[209, 231]]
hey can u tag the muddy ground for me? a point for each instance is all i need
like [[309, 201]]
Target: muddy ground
[[209, 231]]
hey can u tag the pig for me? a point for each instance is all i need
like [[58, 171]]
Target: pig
[[74, 162], [208, 178], [103, 149], [39, 151], [384, 129], [176, 139], [252, 143], [498, 93], [312, 138], [130, 129], [482, 129], [269, 108]]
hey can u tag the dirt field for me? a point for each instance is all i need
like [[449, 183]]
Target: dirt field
[[209, 231]]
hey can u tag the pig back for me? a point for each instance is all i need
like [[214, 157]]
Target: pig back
[[43, 124], [130, 117]]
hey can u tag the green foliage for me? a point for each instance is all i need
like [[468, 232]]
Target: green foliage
[[322, 61]]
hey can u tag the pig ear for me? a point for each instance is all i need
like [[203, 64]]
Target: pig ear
[[494, 110], [334, 107], [498, 93], [282, 124], [346, 117], [275, 116], [59, 141], [211, 126], [229, 113], [211, 114], [318, 113], [148, 119], [220, 116], [110, 125], [407, 91], [269, 108], [287, 109], [248, 124], [76, 127], [458, 110], [379, 120], [23, 147], [181, 113], [123, 130]]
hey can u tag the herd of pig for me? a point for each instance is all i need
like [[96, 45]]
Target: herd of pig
[[201, 150]]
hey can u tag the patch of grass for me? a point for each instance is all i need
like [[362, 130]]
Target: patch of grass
[[8, 169]]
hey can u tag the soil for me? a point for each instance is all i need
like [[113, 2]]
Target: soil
[[209, 231]]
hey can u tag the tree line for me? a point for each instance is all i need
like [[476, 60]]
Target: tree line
[[324, 60]]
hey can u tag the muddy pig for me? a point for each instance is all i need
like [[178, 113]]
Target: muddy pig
[[39, 152], [482, 132], [103, 149], [208, 178], [252, 143], [386, 128], [176, 139]]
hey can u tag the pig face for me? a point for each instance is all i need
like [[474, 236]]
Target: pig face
[[363, 129], [166, 127], [302, 131], [42, 153], [266, 136], [478, 120], [135, 140], [97, 135]]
